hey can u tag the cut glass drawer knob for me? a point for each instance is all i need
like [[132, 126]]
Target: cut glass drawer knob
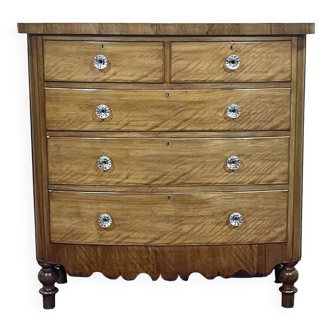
[[103, 111], [233, 163], [236, 219], [233, 62], [100, 61], [233, 111], [104, 163], [105, 220]]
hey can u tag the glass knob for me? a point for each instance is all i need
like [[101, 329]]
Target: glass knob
[[103, 111], [235, 219], [233, 62], [105, 220], [233, 163], [104, 163], [100, 61], [233, 111]]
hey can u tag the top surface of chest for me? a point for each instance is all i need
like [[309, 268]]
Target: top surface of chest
[[168, 29]]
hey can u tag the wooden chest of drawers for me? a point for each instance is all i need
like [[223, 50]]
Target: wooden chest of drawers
[[167, 149]]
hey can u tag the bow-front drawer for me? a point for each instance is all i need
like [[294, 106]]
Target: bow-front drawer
[[219, 218], [167, 110], [231, 61], [104, 62], [159, 161]]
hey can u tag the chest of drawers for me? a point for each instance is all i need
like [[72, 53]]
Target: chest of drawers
[[167, 149]]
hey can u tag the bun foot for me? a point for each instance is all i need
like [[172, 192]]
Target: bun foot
[[48, 275], [289, 276]]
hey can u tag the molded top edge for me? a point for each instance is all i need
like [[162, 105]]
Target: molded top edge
[[167, 29]]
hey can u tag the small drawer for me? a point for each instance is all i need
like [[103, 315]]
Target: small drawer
[[175, 219], [104, 62], [159, 161], [231, 62], [167, 110]]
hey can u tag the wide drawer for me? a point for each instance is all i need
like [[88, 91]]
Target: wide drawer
[[206, 61], [126, 61], [167, 110], [177, 219], [167, 161]]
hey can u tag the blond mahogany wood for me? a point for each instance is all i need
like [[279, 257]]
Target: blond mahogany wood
[[298, 148], [127, 61], [168, 189], [157, 219], [39, 149], [168, 262], [168, 134], [168, 161], [167, 29], [205, 61], [167, 110]]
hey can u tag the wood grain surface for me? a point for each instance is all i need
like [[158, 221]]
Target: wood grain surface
[[204, 29], [168, 161], [168, 262], [167, 110], [157, 219], [168, 191], [39, 145], [127, 61], [205, 61]]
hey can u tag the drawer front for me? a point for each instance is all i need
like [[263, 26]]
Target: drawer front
[[206, 62], [142, 110], [176, 219], [168, 161], [127, 61]]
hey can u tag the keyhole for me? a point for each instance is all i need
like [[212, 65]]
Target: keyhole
[[232, 47], [167, 95], [102, 46], [168, 198], [167, 144]]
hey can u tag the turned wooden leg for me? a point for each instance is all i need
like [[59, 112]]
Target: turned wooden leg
[[62, 278], [277, 271], [48, 275], [288, 277]]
